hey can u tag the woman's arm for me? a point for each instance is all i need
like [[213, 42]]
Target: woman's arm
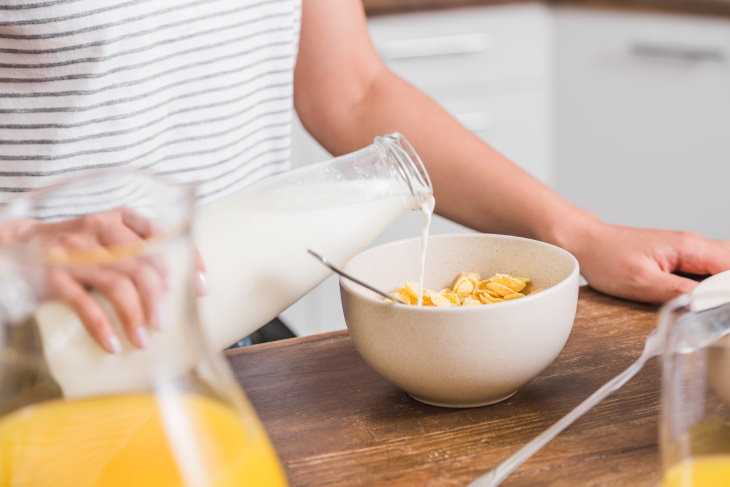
[[345, 96]]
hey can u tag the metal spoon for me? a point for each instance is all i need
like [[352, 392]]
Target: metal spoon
[[353, 279]]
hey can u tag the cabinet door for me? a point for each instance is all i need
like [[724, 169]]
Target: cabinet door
[[643, 118], [489, 47]]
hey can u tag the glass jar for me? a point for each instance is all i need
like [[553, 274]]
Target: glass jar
[[164, 410], [695, 393]]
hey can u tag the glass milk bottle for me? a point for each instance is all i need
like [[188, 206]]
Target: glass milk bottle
[[255, 242], [73, 415]]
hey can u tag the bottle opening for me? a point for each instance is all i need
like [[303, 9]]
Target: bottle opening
[[409, 164]]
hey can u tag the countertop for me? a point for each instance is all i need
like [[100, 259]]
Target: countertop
[[710, 7], [335, 422]]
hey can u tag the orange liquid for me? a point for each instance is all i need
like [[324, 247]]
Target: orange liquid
[[123, 441], [709, 471]]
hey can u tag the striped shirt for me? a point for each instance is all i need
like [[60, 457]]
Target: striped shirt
[[197, 90]]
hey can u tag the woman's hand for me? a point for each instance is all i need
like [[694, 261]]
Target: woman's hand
[[100, 252], [638, 264]]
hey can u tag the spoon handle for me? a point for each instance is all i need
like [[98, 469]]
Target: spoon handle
[[353, 279], [500, 472]]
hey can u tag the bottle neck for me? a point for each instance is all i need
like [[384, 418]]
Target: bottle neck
[[408, 164]]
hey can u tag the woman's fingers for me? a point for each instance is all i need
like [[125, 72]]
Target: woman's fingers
[[138, 267], [105, 252], [146, 273], [702, 256], [119, 228], [124, 297], [86, 307], [141, 225], [663, 286], [150, 284]]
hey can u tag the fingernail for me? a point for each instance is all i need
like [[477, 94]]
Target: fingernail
[[141, 337], [113, 345], [202, 282]]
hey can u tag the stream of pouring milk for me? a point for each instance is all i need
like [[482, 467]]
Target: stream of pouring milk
[[426, 208], [255, 249]]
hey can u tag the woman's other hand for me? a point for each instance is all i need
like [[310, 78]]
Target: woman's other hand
[[640, 264]]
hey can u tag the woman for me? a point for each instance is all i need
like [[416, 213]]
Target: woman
[[203, 90]]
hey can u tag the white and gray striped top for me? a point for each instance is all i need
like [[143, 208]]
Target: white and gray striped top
[[198, 90]]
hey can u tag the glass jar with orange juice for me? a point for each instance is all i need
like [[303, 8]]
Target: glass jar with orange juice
[[158, 407], [695, 398]]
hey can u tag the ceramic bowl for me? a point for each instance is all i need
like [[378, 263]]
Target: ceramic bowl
[[461, 356]]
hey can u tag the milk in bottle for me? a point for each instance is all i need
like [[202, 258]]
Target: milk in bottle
[[255, 243]]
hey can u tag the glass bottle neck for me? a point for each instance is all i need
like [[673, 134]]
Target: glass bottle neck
[[398, 149]]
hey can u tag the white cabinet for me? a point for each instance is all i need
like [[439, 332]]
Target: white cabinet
[[489, 67], [643, 117]]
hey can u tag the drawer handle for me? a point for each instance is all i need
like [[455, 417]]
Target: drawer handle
[[474, 121], [433, 46], [676, 51]]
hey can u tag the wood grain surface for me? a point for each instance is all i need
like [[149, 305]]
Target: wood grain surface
[[335, 422], [710, 7]]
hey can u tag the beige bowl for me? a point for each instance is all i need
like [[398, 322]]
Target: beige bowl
[[461, 356]]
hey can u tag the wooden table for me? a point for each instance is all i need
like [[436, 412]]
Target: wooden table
[[335, 422]]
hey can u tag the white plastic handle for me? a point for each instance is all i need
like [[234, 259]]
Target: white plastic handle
[[420, 47]]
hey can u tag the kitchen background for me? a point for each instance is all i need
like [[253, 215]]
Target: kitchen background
[[622, 107]]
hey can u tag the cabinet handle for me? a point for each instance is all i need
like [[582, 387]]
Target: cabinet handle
[[474, 121], [676, 51], [420, 47]]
